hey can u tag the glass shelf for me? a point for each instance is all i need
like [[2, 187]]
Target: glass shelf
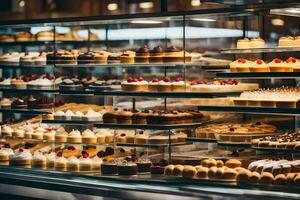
[[168, 94], [256, 110], [51, 42], [152, 145], [29, 90], [207, 140], [276, 150], [152, 126], [24, 110], [234, 144], [261, 50], [258, 75], [25, 67], [75, 122]]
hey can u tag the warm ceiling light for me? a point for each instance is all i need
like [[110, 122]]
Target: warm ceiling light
[[195, 3], [145, 22], [21, 4], [146, 5], [204, 19], [277, 22], [112, 6]]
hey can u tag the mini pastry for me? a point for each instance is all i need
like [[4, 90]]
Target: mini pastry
[[277, 65], [178, 85], [74, 136], [5, 152], [114, 59], [202, 172], [177, 171], [174, 55], [243, 43], [19, 133], [127, 168], [266, 178], [143, 165], [229, 173], [219, 173], [21, 157], [292, 64], [254, 178], [139, 117], [286, 41], [61, 135], [156, 55], [142, 55], [96, 165], [109, 167], [70, 151], [89, 136], [259, 66], [280, 179], [189, 172], [124, 117], [135, 84], [39, 160], [73, 163], [121, 138], [92, 116], [50, 159], [169, 170], [164, 85], [127, 57], [243, 65], [257, 43], [141, 138], [153, 85], [49, 135], [212, 172], [60, 161], [243, 177], [86, 162], [233, 163]]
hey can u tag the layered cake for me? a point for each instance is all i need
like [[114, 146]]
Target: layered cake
[[135, 84], [156, 55], [21, 157], [128, 57], [174, 55], [142, 55]]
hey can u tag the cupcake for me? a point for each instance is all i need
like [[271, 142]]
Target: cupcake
[[5, 152], [156, 55], [74, 136], [73, 163], [39, 160], [21, 157], [153, 85], [61, 135], [50, 159], [142, 55], [259, 66], [127, 57], [96, 163], [178, 85], [277, 65], [86, 163], [164, 85], [88, 136], [60, 161], [6, 131]]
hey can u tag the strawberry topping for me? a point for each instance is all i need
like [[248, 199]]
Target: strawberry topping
[[167, 79], [156, 80], [259, 61], [130, 80], [59, 154], [141, 79], [178, 79], [241, 60], [277, 60]]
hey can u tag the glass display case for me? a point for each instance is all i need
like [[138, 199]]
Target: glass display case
[[175, 98]]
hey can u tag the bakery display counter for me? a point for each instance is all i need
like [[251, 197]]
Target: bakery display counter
[[249, 109], [258, 75]]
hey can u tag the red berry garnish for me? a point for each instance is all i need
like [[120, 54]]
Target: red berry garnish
[[141, 132], [291, 59], [241, 60], [156, 80], [129, 79], [259, 61], [277, 60], [78, 157], [21, 150], [167, 79], [85, 154], [123, 134], [141, 79], [201, 82], [59, 154], [193, 83], [135, 80], [178, 79]]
